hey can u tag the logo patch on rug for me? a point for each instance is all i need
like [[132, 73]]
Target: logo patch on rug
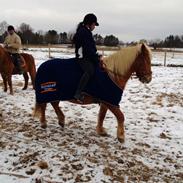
[[48, 87]]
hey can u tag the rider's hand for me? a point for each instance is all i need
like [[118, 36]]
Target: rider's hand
[[7, 46], [100, 58]]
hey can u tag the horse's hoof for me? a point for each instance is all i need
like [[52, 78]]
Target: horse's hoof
[[61, 124], [24, 88], [44, 126], [121, 139], [101, 131]]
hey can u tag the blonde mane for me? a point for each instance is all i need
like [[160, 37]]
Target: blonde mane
[[120, 62]]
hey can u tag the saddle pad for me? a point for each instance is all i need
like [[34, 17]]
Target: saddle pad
[[57, 79]]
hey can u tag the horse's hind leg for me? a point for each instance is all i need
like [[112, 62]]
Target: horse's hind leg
[[32, 75], [26, 79], [102, 112], [43, 118], [60, 115]]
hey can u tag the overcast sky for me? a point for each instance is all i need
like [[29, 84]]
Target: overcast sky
[[129, 20]]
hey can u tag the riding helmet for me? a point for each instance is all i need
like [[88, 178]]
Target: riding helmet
[[90, 18], [10, 27]]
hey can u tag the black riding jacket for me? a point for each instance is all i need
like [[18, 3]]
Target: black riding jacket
[[85, 46]]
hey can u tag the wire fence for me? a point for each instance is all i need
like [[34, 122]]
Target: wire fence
[[168, 58]]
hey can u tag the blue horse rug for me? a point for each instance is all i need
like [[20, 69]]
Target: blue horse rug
[[57, 79]]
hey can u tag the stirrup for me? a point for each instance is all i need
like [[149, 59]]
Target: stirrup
[[79, 98], [20, 70]]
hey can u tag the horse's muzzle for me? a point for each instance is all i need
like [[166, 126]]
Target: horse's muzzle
[[146, 78]]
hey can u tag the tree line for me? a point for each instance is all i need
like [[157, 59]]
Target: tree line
[[28, 36], [172, 41]]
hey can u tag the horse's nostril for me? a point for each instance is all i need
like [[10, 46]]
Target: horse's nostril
[[145, 79]]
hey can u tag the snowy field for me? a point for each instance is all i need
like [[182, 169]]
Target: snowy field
[[152, 152]]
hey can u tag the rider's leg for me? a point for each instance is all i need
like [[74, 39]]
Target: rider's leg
[[89, 69], [17, 62]]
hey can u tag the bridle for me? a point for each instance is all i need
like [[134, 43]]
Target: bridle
[[139, 72]]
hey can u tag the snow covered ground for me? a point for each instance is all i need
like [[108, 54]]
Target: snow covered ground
[[152, 152]]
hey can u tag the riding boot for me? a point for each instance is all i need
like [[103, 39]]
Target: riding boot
[[17, 63], [82, 84], [19, 67]]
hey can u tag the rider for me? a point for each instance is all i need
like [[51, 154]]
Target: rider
[[12, 44], [86, 52]]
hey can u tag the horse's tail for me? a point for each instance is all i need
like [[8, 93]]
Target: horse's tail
[[32, 70], [31, 66], [37, 111]]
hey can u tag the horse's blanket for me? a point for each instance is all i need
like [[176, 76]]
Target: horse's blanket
[[57, 79]]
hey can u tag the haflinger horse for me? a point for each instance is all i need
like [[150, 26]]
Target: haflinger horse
[[7, 69], [57, 79]]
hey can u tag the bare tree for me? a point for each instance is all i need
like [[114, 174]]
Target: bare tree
[[25, 28], [51, 37], [3, 27], [26, 33]]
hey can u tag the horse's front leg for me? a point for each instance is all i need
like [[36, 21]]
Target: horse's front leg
[[26, 79], [5, 82], [102, 112], [120, 118], [10, 84], [60, 114], [42, 117]]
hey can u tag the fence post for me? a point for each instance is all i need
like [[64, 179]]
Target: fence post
[[173, 52], [102, 52], [49, 51], [165, 59]]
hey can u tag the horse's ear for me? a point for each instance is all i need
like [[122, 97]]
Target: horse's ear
[[143, 48]]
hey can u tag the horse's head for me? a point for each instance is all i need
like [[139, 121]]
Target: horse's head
[[2, 51], [143, 65], [1, 48]]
